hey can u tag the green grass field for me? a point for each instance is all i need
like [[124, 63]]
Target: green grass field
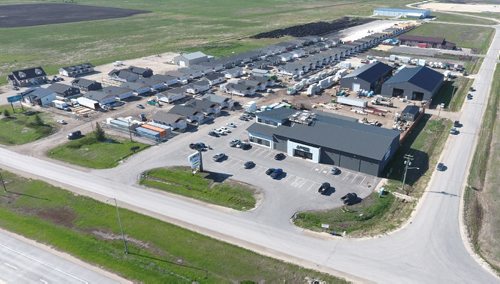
[[481, 196], [21, 127], [380, 215], [159, 252], [90, 153], [172, 26], [182, 181], [443, 17], [477, 38]]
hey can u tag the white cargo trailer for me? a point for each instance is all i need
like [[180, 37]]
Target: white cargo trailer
[[351, 102]]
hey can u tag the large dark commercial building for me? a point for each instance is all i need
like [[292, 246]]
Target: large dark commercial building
[[325, 138], [418, 83], [368, 77]]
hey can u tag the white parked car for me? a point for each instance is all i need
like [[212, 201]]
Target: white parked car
[[62, 121]]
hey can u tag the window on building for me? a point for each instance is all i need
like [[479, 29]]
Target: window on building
[[260, 141]]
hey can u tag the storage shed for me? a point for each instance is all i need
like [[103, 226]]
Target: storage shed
[[417, 83], [368, 77]]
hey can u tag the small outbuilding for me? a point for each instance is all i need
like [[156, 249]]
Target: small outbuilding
[[368, 77], [410, 113], [188, 59]]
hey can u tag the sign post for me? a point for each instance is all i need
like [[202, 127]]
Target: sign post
[[13, 99], [195, 161]]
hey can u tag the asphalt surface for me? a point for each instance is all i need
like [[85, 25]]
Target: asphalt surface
[[429, 249], [296, 191], [22, 262]]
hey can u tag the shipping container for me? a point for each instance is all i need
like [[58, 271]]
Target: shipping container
[[161, 131], [351, 102]]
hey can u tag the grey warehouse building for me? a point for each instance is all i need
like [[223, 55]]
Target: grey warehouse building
[[418, 83], [368, 77], [325, 138]]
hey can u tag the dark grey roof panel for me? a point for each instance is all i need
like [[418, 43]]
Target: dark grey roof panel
[[422, 77], [370, 72]]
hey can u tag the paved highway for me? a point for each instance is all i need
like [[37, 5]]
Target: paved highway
[[430, 249], [23, 262]]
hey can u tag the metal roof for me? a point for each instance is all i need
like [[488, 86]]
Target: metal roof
[[422, 77], [332, 132], [370, 72], [402, 10], [194, 55], [167, 117], [61, 88], [425, 39]]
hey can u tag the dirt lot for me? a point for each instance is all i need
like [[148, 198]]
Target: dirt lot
[[470, 8], [26, 15]]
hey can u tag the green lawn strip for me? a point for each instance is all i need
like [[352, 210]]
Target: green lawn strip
[[474, 212], [453, 18], [181, 181], [22, 127], [476, 38], [472, 66], [376, 215], [452, 94], [159, 252], [88, 152]]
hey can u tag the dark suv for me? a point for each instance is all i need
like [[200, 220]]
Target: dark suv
[[74, 135]]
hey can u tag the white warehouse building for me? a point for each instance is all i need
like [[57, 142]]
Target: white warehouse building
[[403, 13]]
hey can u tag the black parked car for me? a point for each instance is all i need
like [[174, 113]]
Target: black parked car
[[279, 156], [324, 188], [74, 135], [269, 171], [245, 146], [441, 167], [249, 165], [198, 146], [277, 173], [213, 133], [219, 157], [350, 198]]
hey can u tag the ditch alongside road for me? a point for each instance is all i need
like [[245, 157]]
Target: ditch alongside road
[[482, 194]]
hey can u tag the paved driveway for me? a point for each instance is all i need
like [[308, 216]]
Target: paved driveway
[[296, 191]]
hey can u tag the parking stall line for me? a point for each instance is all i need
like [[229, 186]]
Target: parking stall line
[[310, 187], [361, 182], [346, 176]]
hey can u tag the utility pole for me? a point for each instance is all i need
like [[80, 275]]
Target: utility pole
[[121, 228], [3, 182], [408, 158], [201, 161], [130, 131]]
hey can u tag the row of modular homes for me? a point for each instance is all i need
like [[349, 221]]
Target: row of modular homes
[[195, 111]]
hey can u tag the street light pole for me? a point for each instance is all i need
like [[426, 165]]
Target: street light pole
[[121, 227]]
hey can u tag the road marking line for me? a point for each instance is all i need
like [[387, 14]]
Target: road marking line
[[43, 281], [44, 264], [11, 266], [310, 187]]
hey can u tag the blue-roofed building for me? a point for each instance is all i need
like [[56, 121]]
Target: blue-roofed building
[[325, 138], [368, 77], [402, 13], [417, 83]]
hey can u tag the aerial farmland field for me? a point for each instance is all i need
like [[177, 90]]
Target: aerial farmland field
[[169, 26]]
